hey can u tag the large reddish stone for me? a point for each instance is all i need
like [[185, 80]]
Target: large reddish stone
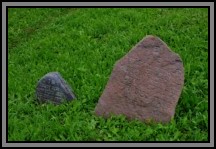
[[145, 84]]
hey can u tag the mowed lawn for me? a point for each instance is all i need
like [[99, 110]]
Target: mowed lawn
[[83, 44]]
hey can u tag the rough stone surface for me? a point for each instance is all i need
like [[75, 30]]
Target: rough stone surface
[[53, 88], [145, 84]]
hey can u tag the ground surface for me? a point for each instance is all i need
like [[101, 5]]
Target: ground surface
[[83, 45]]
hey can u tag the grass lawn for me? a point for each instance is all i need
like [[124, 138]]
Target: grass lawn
[[83, 45]]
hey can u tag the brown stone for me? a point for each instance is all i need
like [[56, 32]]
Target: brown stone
[[145, 84]]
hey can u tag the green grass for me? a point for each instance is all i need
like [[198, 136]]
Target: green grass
[[83, 45]]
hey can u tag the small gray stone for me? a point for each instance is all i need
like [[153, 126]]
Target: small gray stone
[[53, 88]]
